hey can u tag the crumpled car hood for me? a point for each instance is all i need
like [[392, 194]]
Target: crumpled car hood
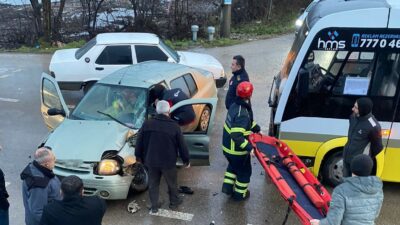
[[86, 140]]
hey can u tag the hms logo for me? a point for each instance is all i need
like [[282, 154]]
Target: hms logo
[[332, 43]]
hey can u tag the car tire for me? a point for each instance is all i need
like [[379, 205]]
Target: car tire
[[204, 119], [140, 180], [88, 86], [332, 169]]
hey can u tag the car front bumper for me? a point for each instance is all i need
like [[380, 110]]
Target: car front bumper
[[107, 187]]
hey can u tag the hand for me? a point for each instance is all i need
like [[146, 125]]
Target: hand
[[252, 153], [256, 129], [187, 166], [314, 222]]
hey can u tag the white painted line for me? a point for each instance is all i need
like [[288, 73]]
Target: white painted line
[[4, 76], [7, 183], [17, 70], [173, 214], [9, 100], [71, 106]]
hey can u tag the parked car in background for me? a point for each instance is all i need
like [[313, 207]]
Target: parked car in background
[[75, 69], [96, 140]]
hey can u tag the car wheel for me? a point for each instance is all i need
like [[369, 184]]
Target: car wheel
[[332, 169], [204, 119], [140, 180], [87, 86]]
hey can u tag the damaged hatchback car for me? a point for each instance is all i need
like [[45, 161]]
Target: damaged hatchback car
[[96, 140]]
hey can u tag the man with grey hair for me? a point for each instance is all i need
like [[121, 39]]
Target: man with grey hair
[[157, 146], [74, 209], [40, 186]]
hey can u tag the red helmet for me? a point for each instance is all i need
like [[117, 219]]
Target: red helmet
[[244, 89]]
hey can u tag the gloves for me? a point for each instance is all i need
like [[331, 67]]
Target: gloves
[[256, 129]]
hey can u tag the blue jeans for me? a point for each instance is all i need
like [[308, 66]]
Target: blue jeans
[[4, 217]]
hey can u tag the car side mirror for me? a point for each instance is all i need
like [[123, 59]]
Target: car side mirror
[[55, 112], [171, 60]]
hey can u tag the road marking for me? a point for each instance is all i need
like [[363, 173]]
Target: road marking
[[9, 100], [7, 183], [173, 214], [17, 70], [4, 76]]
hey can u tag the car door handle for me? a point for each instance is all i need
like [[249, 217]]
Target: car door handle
[[99, 68], [198, 145]]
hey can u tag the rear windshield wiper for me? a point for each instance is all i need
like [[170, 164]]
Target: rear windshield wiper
[[115, 119]]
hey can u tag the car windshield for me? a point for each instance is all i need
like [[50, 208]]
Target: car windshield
[[125, 104], [85, 48], [170, 51]]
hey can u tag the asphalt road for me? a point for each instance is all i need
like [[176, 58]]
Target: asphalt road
[[22, 128]]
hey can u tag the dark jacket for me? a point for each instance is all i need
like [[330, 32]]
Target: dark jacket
[[238, 126], [40, 186], [3, 193], [74, 210], [184, 114], [357, 201], [159, 141], [362, 132], [237, 77]]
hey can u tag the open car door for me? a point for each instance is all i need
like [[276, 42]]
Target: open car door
[[198, 140], [53, 106]]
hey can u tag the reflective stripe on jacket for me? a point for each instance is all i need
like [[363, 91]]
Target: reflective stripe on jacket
[[237, 128]]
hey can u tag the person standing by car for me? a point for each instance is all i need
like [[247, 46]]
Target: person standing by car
[[358, 200], [184, 115], [239, 75], [74, 209], [238, 125], [157, 146], [364, 134], [4, 205], [40, 186]]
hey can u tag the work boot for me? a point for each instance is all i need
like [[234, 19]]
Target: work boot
[[227, 190], [239, 197]]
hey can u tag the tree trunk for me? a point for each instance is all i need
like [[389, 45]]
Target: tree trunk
[[47, 19], [57, 22], [37, 15]]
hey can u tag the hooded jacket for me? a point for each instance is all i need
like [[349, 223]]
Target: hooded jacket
[[237, 77], [364, 133], [357, 201], [40, 186]]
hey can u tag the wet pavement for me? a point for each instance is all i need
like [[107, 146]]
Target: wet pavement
[[22, 129]]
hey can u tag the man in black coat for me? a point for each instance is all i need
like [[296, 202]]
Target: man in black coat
[[4, 205], [239, 75], [74, 209], [364, 134], [157, 146]]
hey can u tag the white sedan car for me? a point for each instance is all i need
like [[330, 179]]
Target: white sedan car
[[75, 69]]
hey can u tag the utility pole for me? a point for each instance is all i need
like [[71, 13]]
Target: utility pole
[[226, 19]]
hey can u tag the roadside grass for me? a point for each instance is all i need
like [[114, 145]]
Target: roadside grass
[[239, 33]]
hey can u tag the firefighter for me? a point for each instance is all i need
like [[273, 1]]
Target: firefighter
[[236, 147]]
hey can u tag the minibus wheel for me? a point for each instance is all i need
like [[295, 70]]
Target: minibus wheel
[[332, 169]]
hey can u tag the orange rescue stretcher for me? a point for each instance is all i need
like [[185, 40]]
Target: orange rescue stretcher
[[296, 184]]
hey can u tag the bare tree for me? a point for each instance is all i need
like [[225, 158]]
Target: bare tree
[[37, 15], [90, 11], [57, 22], [47, 19]]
